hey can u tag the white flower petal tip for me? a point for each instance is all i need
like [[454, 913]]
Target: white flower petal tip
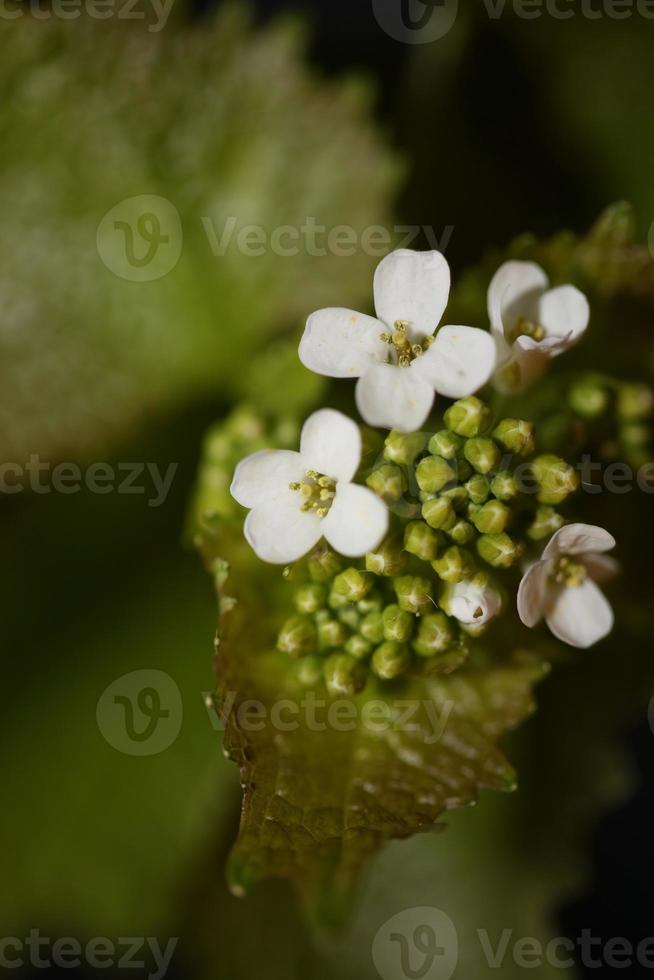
[[474, 604], [341, 343], [394, 398], [459, 362], [297, 498], [531, 322], [563, 587], [413, 287]]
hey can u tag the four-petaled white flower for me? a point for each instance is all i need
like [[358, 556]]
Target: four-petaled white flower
[[474, 603], [297, 498], [398, 361], [531, 323], [562, 587]]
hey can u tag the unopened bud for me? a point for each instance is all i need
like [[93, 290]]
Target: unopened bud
[[458, 496], [433, 473], [482, 454], [492, 518], [439, 513], [331, 634], [504, 486], [391, 660], [402, 447], [468, 417], [349, 616], [310, 671], [388, 559], [297, 637], [635, 435], [588, 398], [414, 593], [435, 635], [358, 647], [545, 523], [372, 627], [462, 533], [344, 674], [398, 623], [373, 602], [635, 402], [352, 584], [324, 564], [445, 444], [516, 435], [310, 598], [454, 565], [388, 482], [478, 488], [499, 550], [556, 479], [421, 540]]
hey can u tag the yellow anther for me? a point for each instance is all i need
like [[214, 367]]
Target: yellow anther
[[386, 338], [311, 474], [416, 350], [404, 360], [294, 486]]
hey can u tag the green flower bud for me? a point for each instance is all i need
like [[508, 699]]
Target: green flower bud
[[588, 398], [349, 616], [433, 473], [310, 671], [499, 550], [324, 564], [297, 637], [477, 488], [504, 486], [516, 435], [358, 647], [435, 635], [388, 559], [344, 674], [458, 496], [492, 518], [310, 598], [472, 510], [398, 624], [373, 602], [337, 600], [545, 523], [421, 540], [388, 482], [445, 444], [352, 584], [454, 565], [634, 402], [439, 513], [331, 634], [468, 417], [413, 593], [391, 660], [556, 478], [463, 468], [482, 454], [403, 447], [634, 435], [445, 663], [372, 627], [462, 533]]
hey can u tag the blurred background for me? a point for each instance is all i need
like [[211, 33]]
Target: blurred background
[[267, 115]]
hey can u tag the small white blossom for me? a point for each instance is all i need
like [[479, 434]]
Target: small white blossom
[[562, 587], [398, 361], [531, 323], [474, 603], [297, 498]]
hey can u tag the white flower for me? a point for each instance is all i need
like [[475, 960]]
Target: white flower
[[531, 323], [297, 498], [562, 587], [474, 603], [397, 359]]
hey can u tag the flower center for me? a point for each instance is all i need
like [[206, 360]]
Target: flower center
[[405, 352], [525, 328], [568, 573], [317, 492]]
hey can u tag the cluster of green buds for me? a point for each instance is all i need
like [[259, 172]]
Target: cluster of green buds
[[621, 413], [467, 501]]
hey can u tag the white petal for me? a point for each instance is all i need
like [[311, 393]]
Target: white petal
[[459, 362], [525, 366], [331, 444], [514, 292], [580, 615], [341, 343], [412, 286], [394, 398], [532, 593], [264, 475], [473, 604], [357, 520], [601, 568], [279, 532], [577, 539], [564, 313]]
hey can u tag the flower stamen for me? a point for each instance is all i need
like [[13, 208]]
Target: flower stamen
[[525, 328], [405, 352], [569, 573], [318, 490]]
